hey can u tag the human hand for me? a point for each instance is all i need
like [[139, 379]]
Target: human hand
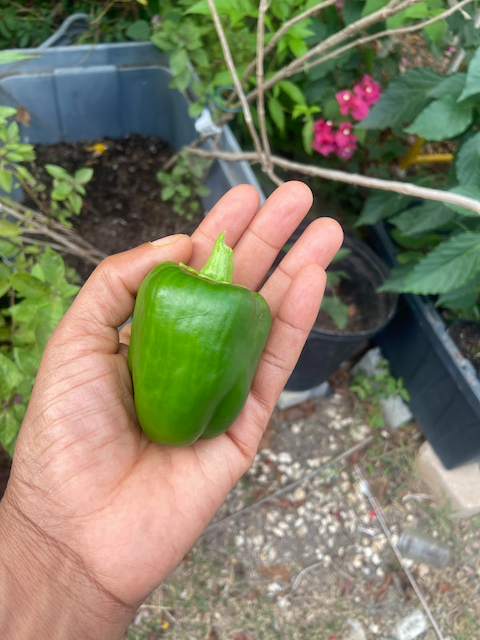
[[91, 501]]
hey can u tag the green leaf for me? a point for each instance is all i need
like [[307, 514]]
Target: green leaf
[[53, 267], [425, 217], [6, 57], [468, 161], [461, 298], [403, 99], [6, 112], [138, 30], [292, 91], [8, 230], [277, 113], [419, 10], [307, 137], [178, 61], [297, 46], [396, 278], [451, 87], [167, 193], [76, 202], [84, 175], [436, 31], [61, 191], [10, 376], [6, 180], [9, 427], [472, 85], [195, 109], [29, 287], [449, 266], [57, 172], [336, 309], [341, 254], [469, 191], [380, 205], [442, 119], [203, 191], [27, 361], [373, 5], [182, 80]]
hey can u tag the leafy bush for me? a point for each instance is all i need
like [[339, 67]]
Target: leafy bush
[[36, 286]]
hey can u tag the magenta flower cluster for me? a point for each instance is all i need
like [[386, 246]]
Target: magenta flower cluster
[[342, 141]]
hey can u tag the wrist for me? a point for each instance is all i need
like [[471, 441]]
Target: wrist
[[46, 592]]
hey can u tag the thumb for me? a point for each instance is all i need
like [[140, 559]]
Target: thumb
[[107, 299]]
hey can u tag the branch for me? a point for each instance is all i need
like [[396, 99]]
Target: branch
[[260, 93], [404, 188], [231, 67], [388, 32], [344, 34], [286, 27]]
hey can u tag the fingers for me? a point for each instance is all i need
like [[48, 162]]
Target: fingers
[[269, 230], [317, 245], [107, 299], [290, 328], [232, 214]]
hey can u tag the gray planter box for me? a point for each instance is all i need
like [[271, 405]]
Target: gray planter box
[[80, 93]]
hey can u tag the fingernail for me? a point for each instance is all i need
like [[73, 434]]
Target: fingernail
[[162, 242]]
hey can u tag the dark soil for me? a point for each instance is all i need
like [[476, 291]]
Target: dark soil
[[466, 336], [5, 464], [123, 207]]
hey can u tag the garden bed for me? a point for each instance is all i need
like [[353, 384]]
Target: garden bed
[[123, 206]]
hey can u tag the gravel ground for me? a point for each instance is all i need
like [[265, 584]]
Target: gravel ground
[[315, 563]]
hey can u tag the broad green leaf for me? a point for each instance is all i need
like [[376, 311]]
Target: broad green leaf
[[461, 298], [449, 266], [8, 230], [403, 99], [277, 113], [37, 272], [61, 191], [307, 137], [436, 31], [10, 376], [292, 91], [425, 217], [83, 175], [396, 278], [342, 253], [373, 5], [182, 80], [297, 46], [468, 161], [6, 180], [167, 193], [57, 172], [53, 267], [336, 309], [472, 85], [419, 10], [29, 287], [381, 205], [469, 191], [76, 202], [451, 87], [6, 57], [138, 30], [49, 313], [442, 119], [6, 112], [178, 61], [9, 428], [27, 360]]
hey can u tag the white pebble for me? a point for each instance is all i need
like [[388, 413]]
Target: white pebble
[[262, 479], [285, 457], [298, 522], [302, 531], [374, 628], [296, 428], [341, 552], [367, 552], [278, 532], [331, 543], [314, 463], [380, 573], [239, 541], [357, 562], [299, 494], [319, 554], [327, 560], [376, 559], [272, 517]]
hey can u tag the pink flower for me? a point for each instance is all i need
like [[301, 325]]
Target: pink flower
[[351, 103], [324, 141], [339, 4], [367, 90], [347, 152], [344, 136]]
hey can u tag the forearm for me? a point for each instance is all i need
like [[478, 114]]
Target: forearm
[[45, 591]]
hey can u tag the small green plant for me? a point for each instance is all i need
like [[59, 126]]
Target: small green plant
[[331, 303], [372, 389], [183, 185], [67, 192]]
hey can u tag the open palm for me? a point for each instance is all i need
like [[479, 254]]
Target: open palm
[[84, 477]]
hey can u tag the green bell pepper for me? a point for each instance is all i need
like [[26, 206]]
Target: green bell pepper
[[196, 342]]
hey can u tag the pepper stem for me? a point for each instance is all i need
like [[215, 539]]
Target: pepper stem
[[219, 265]]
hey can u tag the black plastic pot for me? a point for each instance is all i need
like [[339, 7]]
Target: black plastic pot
[[326, 349], [443, 385]]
